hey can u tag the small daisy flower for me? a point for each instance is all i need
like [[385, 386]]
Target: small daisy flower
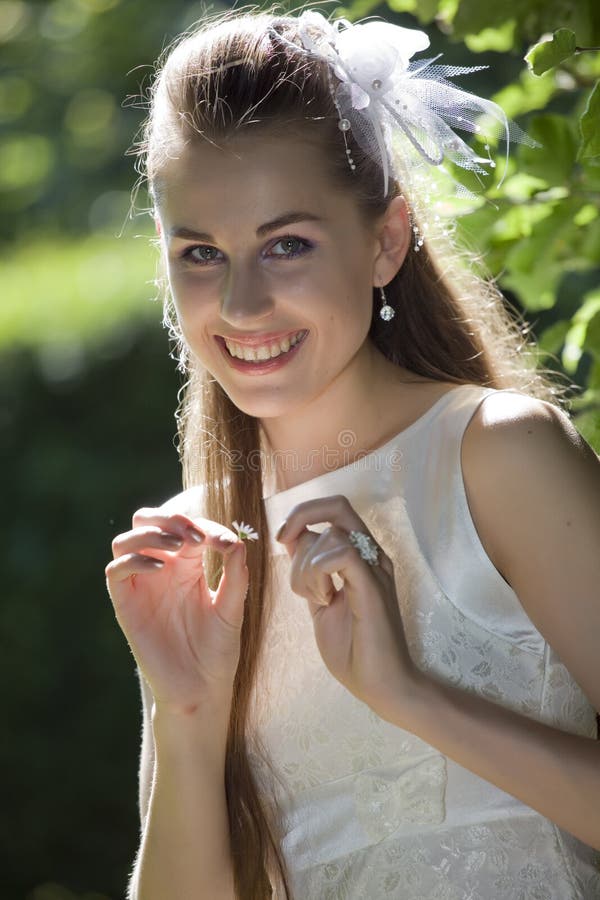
[[245, 532]]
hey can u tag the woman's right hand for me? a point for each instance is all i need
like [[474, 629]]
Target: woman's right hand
[[184, 636]]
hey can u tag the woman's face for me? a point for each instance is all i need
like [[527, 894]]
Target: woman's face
[[236, 275]]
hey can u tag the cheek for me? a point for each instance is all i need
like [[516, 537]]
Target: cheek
[[191, 314], [191, 296]]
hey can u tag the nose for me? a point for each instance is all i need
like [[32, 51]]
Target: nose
[[245, 299]]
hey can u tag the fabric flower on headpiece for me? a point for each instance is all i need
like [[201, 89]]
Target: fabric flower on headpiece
[[380, 93], [371, 77]]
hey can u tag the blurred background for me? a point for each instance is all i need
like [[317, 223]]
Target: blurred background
[[88, 389]]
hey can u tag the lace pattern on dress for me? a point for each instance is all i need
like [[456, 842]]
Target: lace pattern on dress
[[369, 810]]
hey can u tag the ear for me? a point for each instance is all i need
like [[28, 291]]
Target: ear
[[157, 223], [393, 240]]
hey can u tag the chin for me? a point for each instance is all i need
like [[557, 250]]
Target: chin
[[273, 404]]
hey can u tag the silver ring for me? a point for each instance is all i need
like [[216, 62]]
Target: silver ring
[[366, 546]]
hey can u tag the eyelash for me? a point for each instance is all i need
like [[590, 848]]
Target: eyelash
[[187, 254]]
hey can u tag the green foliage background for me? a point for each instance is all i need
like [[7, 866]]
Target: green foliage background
[[87, 390]]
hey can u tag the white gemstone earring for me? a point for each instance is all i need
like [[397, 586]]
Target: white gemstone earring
[[386, 312]]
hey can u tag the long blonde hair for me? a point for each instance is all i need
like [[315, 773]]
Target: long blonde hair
[[451, 325]]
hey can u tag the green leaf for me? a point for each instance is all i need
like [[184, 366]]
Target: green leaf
[[584, 332], [589, 125], [535, 265], [424, 10], [534, 18], [588, 425], [359, 9], [592, 335], [475, 226], [594, 379], [446, 11], [590, 170], [555, 159], [519, 222], [589, 242], [537, 288], [500, 39], [473, 16], [586, 214], [526, 94], [551, 240], [547, 54], [521, 187], [552, 338], [402, 5]]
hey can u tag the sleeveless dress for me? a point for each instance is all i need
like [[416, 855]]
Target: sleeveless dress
[[367, 811]]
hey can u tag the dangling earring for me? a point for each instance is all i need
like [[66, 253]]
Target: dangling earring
[[386, 312]]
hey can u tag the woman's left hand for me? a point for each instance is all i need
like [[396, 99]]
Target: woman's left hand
[[358, 629]]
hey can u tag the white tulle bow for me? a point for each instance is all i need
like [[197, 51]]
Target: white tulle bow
[[381, 92]]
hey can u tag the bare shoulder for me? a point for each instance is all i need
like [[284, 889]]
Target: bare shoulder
[[503, 410], [533, 489], [509, 423], [517, 449]]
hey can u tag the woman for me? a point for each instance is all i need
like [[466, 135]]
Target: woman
[[422, 724]]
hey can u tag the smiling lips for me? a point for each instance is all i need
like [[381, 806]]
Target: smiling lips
[[261, 359], [261, 352]]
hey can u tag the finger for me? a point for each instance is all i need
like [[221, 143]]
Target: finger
[[212, 532], [359, 578], [335, 509], [124, 567], [142, 538], [230, 595], [310, 545], [306, 580], [317, 600]]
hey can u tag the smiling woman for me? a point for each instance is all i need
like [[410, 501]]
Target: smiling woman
[[249, 288], [423, 724]]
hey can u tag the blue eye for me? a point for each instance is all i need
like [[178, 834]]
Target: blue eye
[[305, 246], [187, 255], [290, 239]]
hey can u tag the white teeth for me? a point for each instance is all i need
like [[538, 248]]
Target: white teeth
[[268, 351]]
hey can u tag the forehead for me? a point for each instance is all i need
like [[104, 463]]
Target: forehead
[[248, 179]]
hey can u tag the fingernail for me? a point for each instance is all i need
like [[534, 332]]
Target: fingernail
[[279, 531], [171, 539], [196, 535]]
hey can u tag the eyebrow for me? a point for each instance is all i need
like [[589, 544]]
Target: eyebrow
[[182, 231]]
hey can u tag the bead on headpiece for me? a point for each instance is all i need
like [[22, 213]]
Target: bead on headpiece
[[382, 96]]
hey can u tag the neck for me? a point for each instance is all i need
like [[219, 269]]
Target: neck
[[350, 418]]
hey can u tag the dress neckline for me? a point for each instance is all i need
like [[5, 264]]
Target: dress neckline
[[370, 457]]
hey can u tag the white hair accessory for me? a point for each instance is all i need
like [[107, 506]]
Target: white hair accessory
[[381, 93]]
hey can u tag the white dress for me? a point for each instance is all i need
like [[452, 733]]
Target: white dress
[[369, 811]]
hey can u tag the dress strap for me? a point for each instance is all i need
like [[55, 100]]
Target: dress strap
[[439, 510]]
